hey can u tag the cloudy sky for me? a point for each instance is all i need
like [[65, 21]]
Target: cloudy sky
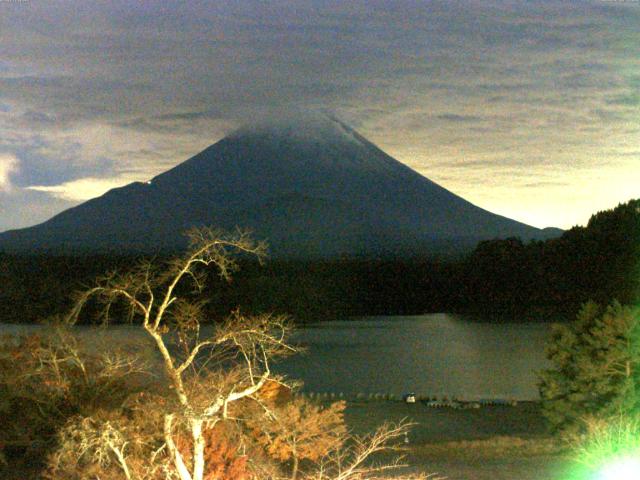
[[530, 109]]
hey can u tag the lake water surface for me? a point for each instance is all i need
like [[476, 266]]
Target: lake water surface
[[431, 355]]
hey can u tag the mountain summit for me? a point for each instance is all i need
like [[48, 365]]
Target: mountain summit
[[310, 185]]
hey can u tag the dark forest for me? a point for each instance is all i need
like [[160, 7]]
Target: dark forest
[[499, 278]]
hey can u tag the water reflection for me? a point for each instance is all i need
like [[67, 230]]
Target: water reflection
[[434, 355]]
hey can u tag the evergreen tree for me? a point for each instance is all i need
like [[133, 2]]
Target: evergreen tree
[[595, 369]]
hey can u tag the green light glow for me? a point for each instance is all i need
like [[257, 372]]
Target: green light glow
[[610, 451], [626, 468]]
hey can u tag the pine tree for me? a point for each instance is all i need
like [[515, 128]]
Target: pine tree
[[595, 369]]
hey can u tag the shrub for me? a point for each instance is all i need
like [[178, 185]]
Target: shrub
[[47, 378]]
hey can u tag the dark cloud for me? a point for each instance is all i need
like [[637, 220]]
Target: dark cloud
[[543, 183], [70, 98], [41, 162], [630, 99], [454, 117], [609, 115], [635, 153], [189, 115], [35, 119], [462, 163], [634, 81]]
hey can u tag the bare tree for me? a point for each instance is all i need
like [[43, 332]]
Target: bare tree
[[242, 347], [353, 459]]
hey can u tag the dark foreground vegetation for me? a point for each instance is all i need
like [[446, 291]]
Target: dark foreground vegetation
[[599, 262]]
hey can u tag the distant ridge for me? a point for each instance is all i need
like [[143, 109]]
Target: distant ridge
[[308, 184]]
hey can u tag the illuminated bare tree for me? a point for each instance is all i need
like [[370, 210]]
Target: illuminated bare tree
[[241, 348], [213, 377], [353, 459]]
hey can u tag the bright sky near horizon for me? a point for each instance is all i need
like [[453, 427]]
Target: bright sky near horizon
[[527, 109]]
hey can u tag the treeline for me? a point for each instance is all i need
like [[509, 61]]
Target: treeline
[[38, 287], [599, 262]]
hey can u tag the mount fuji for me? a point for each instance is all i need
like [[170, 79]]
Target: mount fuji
[[309, 185]]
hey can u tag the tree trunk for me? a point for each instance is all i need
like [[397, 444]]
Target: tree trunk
[[198, 449], [181, 468], [294, 467]]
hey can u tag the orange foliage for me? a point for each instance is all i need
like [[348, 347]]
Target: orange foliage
[[223, 460], [300, 429], [274, 392]]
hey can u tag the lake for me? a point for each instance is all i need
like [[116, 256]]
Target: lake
[[431, 355]]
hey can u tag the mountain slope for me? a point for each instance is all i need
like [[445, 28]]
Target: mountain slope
[[310, 186]]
